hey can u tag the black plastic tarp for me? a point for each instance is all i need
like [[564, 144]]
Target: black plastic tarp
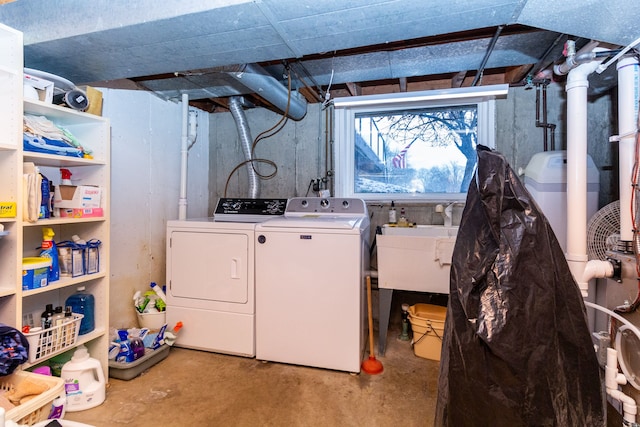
[[516, 348]]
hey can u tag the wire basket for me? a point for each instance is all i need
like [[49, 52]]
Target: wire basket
[[45, 343], [38, 408]]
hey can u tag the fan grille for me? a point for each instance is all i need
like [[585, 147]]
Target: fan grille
[[603, 231]]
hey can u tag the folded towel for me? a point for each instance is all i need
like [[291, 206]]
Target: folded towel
[[444, 250]]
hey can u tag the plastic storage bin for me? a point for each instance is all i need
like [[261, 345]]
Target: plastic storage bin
[[38, 408], [152, 321], [35, 272], [46, 342], [127, 371], [427, 324]]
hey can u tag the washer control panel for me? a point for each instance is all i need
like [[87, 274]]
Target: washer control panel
[[330, 206]]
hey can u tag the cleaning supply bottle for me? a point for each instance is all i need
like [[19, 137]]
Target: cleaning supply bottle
[[46, 318], [45, 202], [402, 222], [160, 305], [83, 303], [392, 213], [126, 353], [50, 250], [65, 175], [84, 382]]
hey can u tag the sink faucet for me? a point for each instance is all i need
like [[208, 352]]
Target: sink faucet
[[448, 215]]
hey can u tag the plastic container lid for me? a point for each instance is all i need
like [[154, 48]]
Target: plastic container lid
[[31, 263]]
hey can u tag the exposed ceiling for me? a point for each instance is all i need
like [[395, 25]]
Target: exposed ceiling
[[341, 47]]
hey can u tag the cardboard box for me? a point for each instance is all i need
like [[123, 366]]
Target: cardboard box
[[95, 100], [81, 213], [77, 196], [8, 209], [42, 86]]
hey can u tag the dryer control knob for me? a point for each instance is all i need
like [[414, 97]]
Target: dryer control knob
[[262, 238]]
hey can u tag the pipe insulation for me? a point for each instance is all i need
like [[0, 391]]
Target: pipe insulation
[[628, 98], [262, 83], [189, 134], [235, 107]]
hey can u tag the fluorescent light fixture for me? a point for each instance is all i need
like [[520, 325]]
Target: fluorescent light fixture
[[476, 93]]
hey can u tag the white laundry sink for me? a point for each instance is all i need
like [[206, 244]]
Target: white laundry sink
[[416, 258]]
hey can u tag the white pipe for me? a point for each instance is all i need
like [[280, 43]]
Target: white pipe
[[577, 85], [597, 269], [613, 378], [184, 152], [624, 321], [628, 94]]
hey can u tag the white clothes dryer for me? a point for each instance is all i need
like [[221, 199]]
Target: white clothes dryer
[[210, 276]]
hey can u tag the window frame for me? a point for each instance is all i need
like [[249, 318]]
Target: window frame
[[346, 109]]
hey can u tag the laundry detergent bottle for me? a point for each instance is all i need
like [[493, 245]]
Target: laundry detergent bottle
[[84, 382], [83, 303]]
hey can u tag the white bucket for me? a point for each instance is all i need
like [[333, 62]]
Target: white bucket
[[152, 321], [84, 381]]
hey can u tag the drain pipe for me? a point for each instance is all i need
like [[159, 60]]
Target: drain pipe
[[577, 85], [235, 107], [613, 379], [189, 134], [628, 95]]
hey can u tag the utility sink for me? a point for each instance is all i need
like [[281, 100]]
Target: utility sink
[[416, 258]]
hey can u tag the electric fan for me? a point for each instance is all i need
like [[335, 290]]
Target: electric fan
[[603, 231]]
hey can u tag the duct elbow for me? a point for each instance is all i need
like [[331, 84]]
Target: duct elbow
[[597, 269], [256, 79]]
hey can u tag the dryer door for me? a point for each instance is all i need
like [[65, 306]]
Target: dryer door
[[209, 266]]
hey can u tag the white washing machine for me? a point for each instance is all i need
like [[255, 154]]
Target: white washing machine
[[210, 276], [310, 284]]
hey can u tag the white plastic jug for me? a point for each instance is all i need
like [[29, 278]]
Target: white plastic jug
[[84, 382]]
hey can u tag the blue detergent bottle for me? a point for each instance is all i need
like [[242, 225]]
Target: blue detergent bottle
[[83, 303], [50, 250], [126, 354]]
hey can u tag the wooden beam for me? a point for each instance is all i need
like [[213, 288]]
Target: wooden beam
[[517, 74], [354, 89], [403, 84], [457, 80]]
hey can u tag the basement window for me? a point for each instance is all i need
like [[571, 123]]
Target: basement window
[[418, 145]]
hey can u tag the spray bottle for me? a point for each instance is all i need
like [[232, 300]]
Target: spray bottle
[[49, 250], [65, 174]]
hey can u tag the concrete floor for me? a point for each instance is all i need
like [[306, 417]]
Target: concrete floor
[[196, 388]]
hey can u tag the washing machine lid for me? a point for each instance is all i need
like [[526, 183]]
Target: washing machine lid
[[313, 222]]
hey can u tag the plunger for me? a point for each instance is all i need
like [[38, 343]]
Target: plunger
[[371, 366]]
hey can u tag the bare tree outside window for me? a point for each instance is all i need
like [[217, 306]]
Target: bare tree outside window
[[430, 150]]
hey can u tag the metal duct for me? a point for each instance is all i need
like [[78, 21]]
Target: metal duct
[[262, 83], [235, 106]]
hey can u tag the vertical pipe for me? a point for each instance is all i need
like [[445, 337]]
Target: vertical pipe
[[627, 123], [184, 150], [577, 85], [544, 116]]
